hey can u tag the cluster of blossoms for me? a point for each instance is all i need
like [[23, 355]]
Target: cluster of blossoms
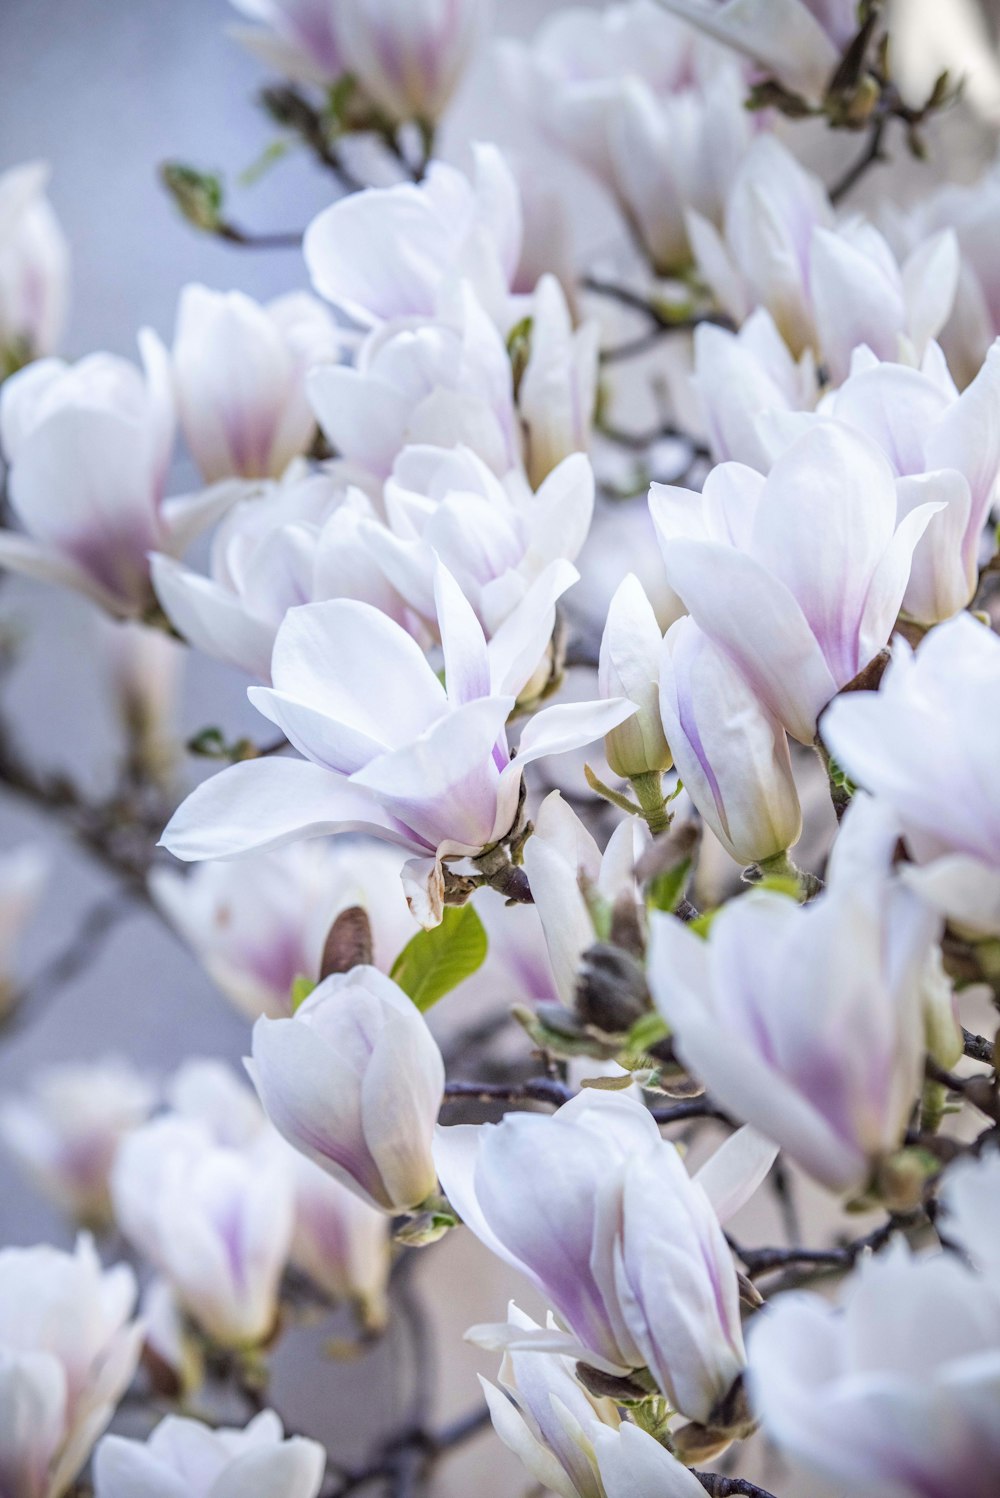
[[412, 536]]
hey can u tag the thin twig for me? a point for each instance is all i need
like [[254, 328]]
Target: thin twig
[[248, 240], [871, 155], [78, 954], [534, 1090]]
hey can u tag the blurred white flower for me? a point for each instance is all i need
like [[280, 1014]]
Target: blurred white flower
[[340, 1242], [34, 268], [410, 55], [67, 1354], [186, 1456], [557, 396], [299, 38], [24, 873]]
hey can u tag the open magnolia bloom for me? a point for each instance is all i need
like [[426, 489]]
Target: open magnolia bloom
[[927, 744], [354, 1081], [573, 1443], [828, 287], [894, 1393], [67, 1354], [641, 103], [942, 446], [89, 446], [260, 924], [386, 748], [66, 1127], [184, 1456], [798, 578], [822, 1007], [240, 376], [395, 252], [799, 43], [34, 267], [410, 56], [639, 1272]]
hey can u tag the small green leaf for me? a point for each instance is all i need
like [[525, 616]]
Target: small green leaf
[[436, 961], [302, 987], [647, 1032], [668, 889]]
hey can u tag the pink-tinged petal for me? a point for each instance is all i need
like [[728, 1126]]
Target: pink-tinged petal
[[329, 742], [569, 725], [780, 36], [732, 1175], [46, 565], [185, 517], [364, 418], [266, 803], [759, 624], [943, 575], [965, 889], [559, 518], [212, 619], [519, 645], [885, 595], [466, 662], [557, 854], [930, 283], [634, 1465], [968, 438], [855, 301]]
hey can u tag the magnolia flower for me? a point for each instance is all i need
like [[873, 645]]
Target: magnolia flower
[[354, 1081], [730, 752], [67, 1354], [821, 1006], [24, 872], [740, 376], [798, 577], [418, 765], [340, 1243], [571, 881], [629, 666], [214, 1219], [828, 288], [65, 1130], [557, 396], [797, 42], [892, 1394], [89, 447], [405, 251], [496, 538], [410, 55], [942, 446], [927, 745], [639, 1272], [186, 1456], [34, 267], [260, 924], [421, 382], [299, 38], [240, 375], [632, 96], [296, 542]]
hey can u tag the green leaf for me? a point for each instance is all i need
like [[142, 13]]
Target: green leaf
[[668, 889], [436, 961], [647, 1032], [302, 987]]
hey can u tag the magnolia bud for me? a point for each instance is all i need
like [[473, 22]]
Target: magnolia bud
[[630, 667]]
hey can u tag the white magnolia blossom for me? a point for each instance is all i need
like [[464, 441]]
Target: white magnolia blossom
[[260, 924], [821, 1007], [34, 267], [571, 880], [640, 103], [410, 55], [421, 382], [893, 1393], [24, 873], [354, 1080], [741, 376], [942, 446], [240, 376], [729, 750], [629, 666], [67, 1354], [639, 1274], [298, 541], [927, 745], [417, 765], [64, 1129], [557, 396], [396, 252], [828, 287], [797, 42], [798, 577], [299, 38], [340, 1243], [89, 446], [184, 1456], [204, 1194]]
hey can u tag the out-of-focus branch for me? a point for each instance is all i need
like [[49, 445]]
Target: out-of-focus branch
[[843, 1257], [79, 953]]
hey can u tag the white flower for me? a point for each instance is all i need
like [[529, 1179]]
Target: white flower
[[354, 1081], [24, 872], [34, 267], [928, 745], [65, 1129], [299, 38], [557, 398], [340, 1242], [388, 750], [186, 1456], [67, 1354], [410, 55], [630, 667], [820, 1006], [260, 924], [395, 252], [798, 577], [240, 375]]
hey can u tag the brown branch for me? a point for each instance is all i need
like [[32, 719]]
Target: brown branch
[[843, 1257], [534, 1090], [872, 154], [728, 1487]]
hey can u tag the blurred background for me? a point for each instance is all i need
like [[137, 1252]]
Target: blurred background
[[104, 90]]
